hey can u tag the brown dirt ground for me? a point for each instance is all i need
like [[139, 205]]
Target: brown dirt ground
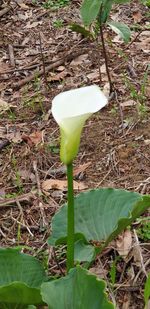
[[115, 142]]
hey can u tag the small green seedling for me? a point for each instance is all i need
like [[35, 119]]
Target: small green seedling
[[58, 23], [144, 229], [113, 270], [55, 4], [18, 181]]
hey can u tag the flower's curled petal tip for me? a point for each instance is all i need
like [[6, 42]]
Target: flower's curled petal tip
[[76, 102]]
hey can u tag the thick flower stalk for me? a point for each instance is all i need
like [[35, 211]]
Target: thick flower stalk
[[71, 109]]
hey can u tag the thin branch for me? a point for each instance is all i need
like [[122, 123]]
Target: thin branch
[[5, 11], [52, 66], [43, 62]]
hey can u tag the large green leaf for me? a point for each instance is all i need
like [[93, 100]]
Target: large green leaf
[[84, 252], [121, 29], [90, 10], [78, 290], [99, 215], [106, 8], [21, 276]]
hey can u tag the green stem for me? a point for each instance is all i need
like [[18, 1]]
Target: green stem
[[70, 218]]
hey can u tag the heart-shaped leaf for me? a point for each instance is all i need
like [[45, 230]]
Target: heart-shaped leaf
[[21, 276], [90, 10], [99, 215], [121, 29], [79, 289]]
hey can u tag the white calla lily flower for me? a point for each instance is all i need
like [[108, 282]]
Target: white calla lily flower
[[71, 109]]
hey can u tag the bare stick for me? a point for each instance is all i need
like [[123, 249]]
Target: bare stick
[[22, 198], [5, 11], [11, 55], [37, 178], [52, 66], [43, 62], [57, 262], [141, 258], [41, 207]]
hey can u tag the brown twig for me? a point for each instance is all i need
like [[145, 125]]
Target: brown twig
[[5, 11], [22, 198], [52, 66], [43, 62], [57, 262], [40, 204], [11, 55], [37, 178], [120, 111], [142, 268], [133, 40]]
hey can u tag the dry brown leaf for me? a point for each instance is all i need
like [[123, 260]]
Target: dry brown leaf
[[124, 243], [103, 68], [93, 76], [57, 77], [81, 168], [4, 106], [4, 66], [33, 25], [137, 16], [136, 255], [79, 60], [26, 175], [128, 103], [14, 137], [106, 89], [147, 89], [22, 16], [60, 68], [2, 192], [144, 45], [147, 141], [23, 5], [34, 138], [56, 184], [126, 301], [100, 272]]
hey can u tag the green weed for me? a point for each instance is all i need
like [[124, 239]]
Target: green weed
[[55, 4], [113, 270], [53, 148], [34, 102], [144, 230], [18, 181], [114, 110], [146, 3], [58, 23]]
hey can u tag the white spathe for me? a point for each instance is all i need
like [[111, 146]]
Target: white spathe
[[71, 109]]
